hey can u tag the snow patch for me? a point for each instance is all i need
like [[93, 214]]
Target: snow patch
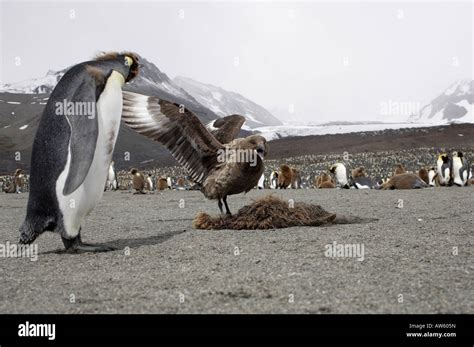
[[275, 132]]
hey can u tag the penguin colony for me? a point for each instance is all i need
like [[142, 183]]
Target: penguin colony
[[71, 169]]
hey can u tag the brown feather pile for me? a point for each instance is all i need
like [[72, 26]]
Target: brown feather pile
[[270, 212]]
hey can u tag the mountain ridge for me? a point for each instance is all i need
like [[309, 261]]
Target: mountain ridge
[[224, 102]]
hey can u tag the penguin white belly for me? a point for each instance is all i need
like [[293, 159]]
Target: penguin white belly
[[150, 183], [261, 181], [360, 186], [77, 205], [431, 178], [457, 178], [440, 172], [111, 174], [341, 176]]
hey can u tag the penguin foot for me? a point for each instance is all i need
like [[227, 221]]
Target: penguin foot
[[76, 245]]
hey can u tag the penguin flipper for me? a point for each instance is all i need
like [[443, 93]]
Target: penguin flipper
[[84, 133], [464, 173]]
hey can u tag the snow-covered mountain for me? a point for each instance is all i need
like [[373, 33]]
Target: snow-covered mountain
[[150, 81], [225, 103], [41, 85], [208, 102], [454, 105]]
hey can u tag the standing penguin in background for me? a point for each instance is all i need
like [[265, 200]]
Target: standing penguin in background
[[73, 149], [461, 169], [444, 170], [149, 183], [295, 179], [274, 180], [284, 177], [340, 171], [19, 181], [432, 175], [111, 177], [138, 181]]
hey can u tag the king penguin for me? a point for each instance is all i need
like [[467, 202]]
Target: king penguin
[[73, 149], [444, 170], [149, 183], [432, 174], [461, 169], [274, 180], [340, 171], [111, 183]]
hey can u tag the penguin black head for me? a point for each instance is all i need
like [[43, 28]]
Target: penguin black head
[[125, 62], [445, 158]]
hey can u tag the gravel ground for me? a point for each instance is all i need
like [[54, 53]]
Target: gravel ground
[[163, 265]]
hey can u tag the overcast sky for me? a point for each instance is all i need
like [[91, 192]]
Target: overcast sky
[[310, 61]]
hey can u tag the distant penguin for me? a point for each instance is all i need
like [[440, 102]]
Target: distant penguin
[[149, 183], [169, 183], [400, 169], [138, 181], [324, 181], [261, 182], [360, 179], [162, 183], [444, 170], [180, 183], [284, 177], [73, 148], [274, 180], [423, 174], [111, 177], [432, 175], [339, 170], [461, 171], [405, 181], [295, 179], [20, 181]]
